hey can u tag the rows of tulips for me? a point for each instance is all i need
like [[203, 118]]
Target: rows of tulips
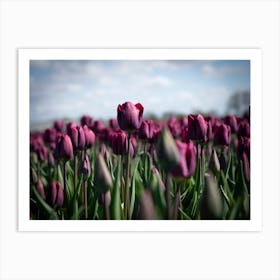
[[190, 167]]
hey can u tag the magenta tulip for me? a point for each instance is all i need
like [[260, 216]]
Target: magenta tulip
[[197, 128], [187, 165], [231, 121], [222, 135], [40, 189], [58, 125], [87, 120], [244, 129], [85, 168], [77, 136], [64, 147], [89, 136], [130, 116], [56, 195], [118, 142]]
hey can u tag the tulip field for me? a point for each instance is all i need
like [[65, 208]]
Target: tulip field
[[187, 167]]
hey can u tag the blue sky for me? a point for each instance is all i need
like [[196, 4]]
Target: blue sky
[[70, 88]]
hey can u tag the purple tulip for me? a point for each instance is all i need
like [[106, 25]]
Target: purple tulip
[[85, 168], [197, 128], [130, 116], [97, 127], [89, 136], [222, 135], [58, 125], [186, 167], [42, 152], [40, 189], [174, 127], [51, 159], [77, 136], [114, 124], [244, 146], [69, 126], [118, 142], [244, 129], [231, 121], [149, 131], [87, 120], [246, 166], [64, 147], [50, 135], [56, 195]]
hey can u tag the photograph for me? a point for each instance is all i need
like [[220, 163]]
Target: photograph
[[139, 139]]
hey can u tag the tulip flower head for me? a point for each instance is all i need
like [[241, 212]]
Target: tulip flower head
[[56, 195], [89, 136], [85, 168], [118, 142], [77, 136], [64, 147], [197, 128], [86, 120], [130, 116], [231, 121], [222, 135], [187, 165], [58, 125], [40, 189]]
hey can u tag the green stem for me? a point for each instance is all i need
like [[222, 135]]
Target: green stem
[[75, 171], [167, 196], [85, 200], [177, 201], [126, 202]]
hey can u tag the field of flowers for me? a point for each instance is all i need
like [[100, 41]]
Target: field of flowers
[[193, 167]]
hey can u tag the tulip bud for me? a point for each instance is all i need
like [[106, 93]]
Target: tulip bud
[[211, 204], [77, 136], [147, 207], [56, 195], [42, 152], [222, 135], [64, 148], [244, 129], [186, 167], [130, 116], [118, 142], [214, 164], [40, 189], [87, 120], [89, 136], [50, 135], [85, 168], [156, 179], [243, 146], [197, 128], [97, 126], [246, 167], [114, 124], [231, 122], [167, 150], [58, 125], [102, 176], [69, 126], [34, 176]]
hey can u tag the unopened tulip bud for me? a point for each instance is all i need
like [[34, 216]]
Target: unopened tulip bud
[[197, 128], [34, 176], [51, 160], [211, 204], [222, 135], [102, 176], [58, 125], [40, 189], [77, 136], [85, 168], [89, 136], [231, 121], [167, 150], [56, 195]]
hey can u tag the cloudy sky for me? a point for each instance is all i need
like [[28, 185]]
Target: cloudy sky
[[71, 88]]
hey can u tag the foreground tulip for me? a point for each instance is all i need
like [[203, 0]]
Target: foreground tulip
[[56, 195], [64, 147], [222, 135], [187, 165], [102, 177], [197, 128], [130, 116], [211, 204]]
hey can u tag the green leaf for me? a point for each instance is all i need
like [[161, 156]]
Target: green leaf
[[132, 199]]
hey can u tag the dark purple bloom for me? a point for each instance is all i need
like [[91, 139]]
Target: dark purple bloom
[[149, 130], [246, 167], [56, 195], [130, 116], [114, 124], [186, 167], [69, 126], [222, 135], [118, 142], [42, 152], [77, 136], [244, 146], [58, 125], [51, 159], [50, 135], [231, 121], [174, 126], [64, 147], [197, 128], [40, 189], [97, 127], [87, 120], [89, 136], [85, 168], [244, 129]]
